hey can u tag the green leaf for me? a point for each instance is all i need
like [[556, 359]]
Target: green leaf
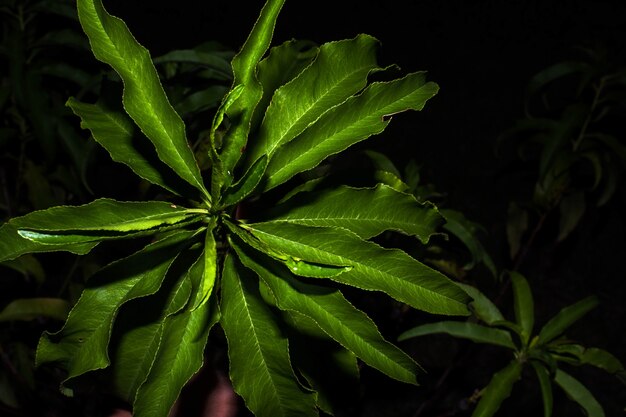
[[244, 70], [205, 284], [543, 375], [283, 63], [339, 71], [180, 356], [347, 325], [523, 305], [12, 245], [354, 120], [143, 98], [331, 370], [565, 318], [364, 211], [256, 346], [106, 215], [373, 268], [138, 330], [577, 392], [115, 132], [601, 359], [82, 342], [32, 308], [481, 306], [466, 231], [498, 390], [472, 331]]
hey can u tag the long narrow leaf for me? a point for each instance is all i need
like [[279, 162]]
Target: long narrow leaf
[[336, 316], [565, 318], [13, 245], [82, 343], [257, 347], [144, 98], [115, 132], [180, 356], [545, 383], [283, 63], [244, 71], [139, 327], [577, 392], [354, 120], [523, 305], [467, 330], [32, 308], [373, 268], [498, 390], [482, 307], [602, 359], [106, 215], [339, 71], [364, 211]]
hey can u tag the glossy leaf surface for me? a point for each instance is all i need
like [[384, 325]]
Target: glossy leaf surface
[[373, 268], [283, 63], [138, 329], [364, 211], [339, 71], [354, 120], [337, 317], [12, 245], [81, 345], [144, 98], [180, 356], [256, 346], [115, 132], [244, 71], [106, 215]]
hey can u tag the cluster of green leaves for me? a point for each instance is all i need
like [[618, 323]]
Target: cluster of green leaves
[[571, 139], [267, 281], [544, 352]]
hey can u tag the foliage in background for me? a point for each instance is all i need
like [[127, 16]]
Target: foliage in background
[[572, 137], [545, 351], [146, 317]]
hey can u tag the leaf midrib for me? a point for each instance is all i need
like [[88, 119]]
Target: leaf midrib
[[279, 142], [304, 155], [258, 344], [361, 339], [144, 98], [350, 262]]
